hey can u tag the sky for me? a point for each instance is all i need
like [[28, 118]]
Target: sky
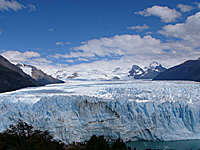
[[85, 35]]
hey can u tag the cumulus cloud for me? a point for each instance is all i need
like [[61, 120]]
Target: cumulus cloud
[[29, 57], [188, 31], [134, 49], [32, 58], [125, 62], [121, 45], [166, 14], [115, 47], [41, 61], [175, 56], [6, 5], [138, 28], [185, 8], [16, 56]]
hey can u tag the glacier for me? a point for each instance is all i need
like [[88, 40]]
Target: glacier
[[132, 110]]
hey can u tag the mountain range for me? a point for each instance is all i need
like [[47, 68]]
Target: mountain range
[[119, 73], [189, 70], [12, 77], [38, 75], [147, 73]]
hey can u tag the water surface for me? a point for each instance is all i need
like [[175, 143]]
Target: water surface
[[176, 145]]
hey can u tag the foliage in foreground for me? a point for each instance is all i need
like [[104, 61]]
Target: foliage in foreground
[[23, 137], [99, 143], [119, 145]]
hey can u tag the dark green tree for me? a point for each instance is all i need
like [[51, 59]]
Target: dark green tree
[[97, 143], [22, 137], [119, 145]]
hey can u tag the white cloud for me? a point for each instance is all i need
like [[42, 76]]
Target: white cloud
[[16, 56], [67, 43], [126, 62], [60, 43], [51, 29], [185, 8], [167, 59], [188, 31], [166, 14], [82, 59], [41, 60], [122, 45], [63, 43], [138, 28], [74, 55], [198, 4], [32, 58], [70, 60], [6, 5], [148, 32], [31, 7], [134, 49]]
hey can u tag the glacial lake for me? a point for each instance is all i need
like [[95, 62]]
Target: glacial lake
[[175, 145]]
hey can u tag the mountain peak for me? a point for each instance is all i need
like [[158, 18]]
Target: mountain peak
[[153, 65], [12, 77], [148, 72], [189, 70], [136, 70], [38, 75]]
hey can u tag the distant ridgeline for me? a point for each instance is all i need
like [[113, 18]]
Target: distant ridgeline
[[189, 70], [148, 72], [13, 78]]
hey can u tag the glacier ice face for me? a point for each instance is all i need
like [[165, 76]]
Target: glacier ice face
[[134, 110]]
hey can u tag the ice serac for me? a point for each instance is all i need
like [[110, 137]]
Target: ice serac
[[145, 111]]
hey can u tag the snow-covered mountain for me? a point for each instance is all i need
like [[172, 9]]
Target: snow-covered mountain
[[132, 110], [148, 72], [135, 71], [119, 73], [115, 74], [12, 78], [38, 75]]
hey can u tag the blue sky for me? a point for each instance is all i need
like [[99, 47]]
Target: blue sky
[[104, 34]]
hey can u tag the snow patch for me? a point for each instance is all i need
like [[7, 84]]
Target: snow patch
[[27, 70]]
